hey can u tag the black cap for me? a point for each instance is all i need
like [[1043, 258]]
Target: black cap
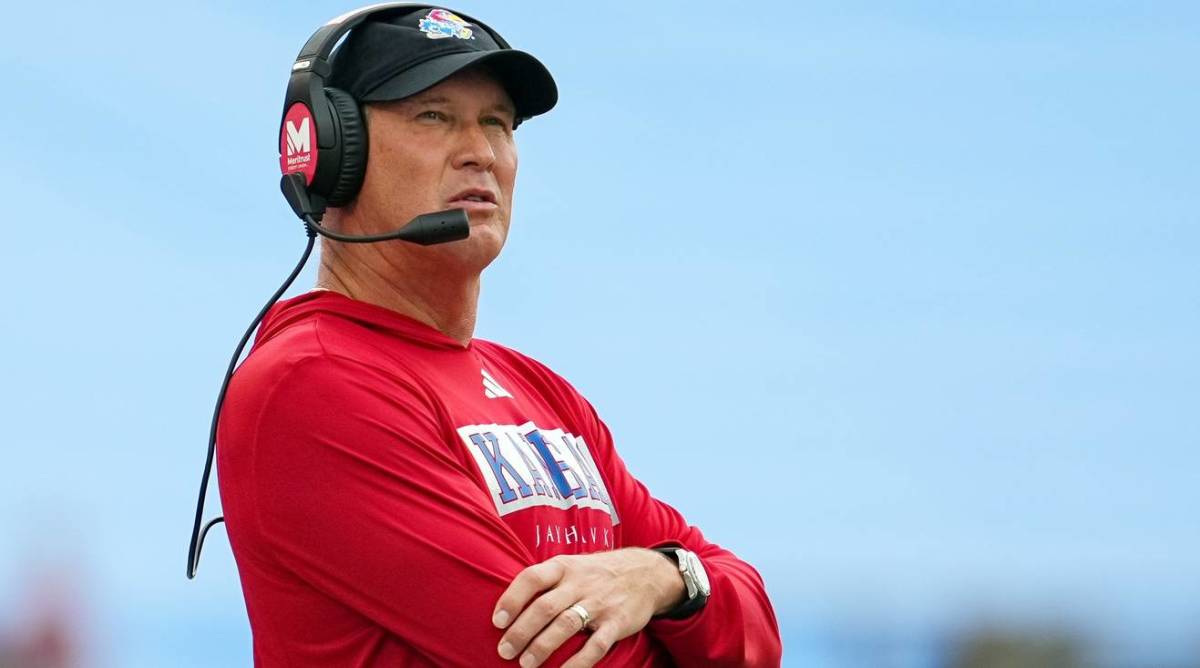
[[395, 55]]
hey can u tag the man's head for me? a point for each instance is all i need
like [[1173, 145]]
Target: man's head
[[440, 98]]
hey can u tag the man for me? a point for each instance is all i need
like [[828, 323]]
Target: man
[[400, 493]]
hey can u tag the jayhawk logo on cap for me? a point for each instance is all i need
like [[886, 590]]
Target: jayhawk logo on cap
[[440, 23]]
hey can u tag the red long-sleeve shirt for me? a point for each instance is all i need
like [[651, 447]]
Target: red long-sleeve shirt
[[383, 484]]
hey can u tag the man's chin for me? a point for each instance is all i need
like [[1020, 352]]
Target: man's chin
[[488, 231], [468, 256]]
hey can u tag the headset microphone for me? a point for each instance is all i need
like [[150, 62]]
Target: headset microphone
[[426, 229]]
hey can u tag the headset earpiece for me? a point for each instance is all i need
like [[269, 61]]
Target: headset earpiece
[[349, 150]]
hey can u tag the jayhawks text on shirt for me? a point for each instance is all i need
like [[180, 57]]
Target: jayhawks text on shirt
[[527, 466]]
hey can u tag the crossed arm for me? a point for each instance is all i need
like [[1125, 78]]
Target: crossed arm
[[358, 507]]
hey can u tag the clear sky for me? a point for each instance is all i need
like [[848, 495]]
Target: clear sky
[[899, 301]]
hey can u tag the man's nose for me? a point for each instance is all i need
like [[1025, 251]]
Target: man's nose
[[474, 149]]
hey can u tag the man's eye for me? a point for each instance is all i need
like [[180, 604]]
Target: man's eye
[[496, 120], [432, 115]]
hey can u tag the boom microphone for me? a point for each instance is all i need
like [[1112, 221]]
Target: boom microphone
[[426, 229]]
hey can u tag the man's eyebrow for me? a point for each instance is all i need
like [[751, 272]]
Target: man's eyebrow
[[438, 99], [503, 106], [429, 99]]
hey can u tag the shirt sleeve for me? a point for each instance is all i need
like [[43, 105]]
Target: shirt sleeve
[[359, 493], [737, 626]]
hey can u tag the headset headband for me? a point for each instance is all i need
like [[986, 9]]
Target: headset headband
[[314, 56]]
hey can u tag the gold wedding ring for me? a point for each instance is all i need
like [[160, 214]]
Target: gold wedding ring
[[583, 615]]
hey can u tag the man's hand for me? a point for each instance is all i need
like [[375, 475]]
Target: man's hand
[[620, 589]]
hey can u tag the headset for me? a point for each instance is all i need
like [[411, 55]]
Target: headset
[[335, 171], [323, 157]]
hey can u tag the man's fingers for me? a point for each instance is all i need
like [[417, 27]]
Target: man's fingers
[[564, 625], [594, 649], [525, 586], [545, 611]]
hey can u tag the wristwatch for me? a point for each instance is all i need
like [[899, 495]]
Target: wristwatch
[[694, 578]]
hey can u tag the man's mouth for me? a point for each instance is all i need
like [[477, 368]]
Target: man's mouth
[[474, 199]]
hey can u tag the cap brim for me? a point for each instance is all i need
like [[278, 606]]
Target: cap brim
[[526, 79]]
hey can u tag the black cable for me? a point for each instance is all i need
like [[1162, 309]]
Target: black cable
[[314, 226], [197, 533]]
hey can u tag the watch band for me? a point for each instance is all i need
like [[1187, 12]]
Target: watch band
[[696, 583]]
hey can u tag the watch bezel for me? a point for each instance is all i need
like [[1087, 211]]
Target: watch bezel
[[686, 568], [696, 568], [695, 579]]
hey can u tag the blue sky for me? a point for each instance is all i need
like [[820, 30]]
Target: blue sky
[[899, 301]]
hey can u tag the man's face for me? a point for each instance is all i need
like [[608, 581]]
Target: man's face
[[450, 146]]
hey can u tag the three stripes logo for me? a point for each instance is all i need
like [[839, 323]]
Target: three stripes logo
[[492, 389]]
